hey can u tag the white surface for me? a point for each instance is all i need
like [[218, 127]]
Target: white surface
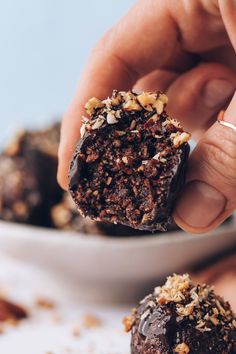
[[41, 334], [101, 269]]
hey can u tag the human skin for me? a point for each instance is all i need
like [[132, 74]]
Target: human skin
[[187, 49]]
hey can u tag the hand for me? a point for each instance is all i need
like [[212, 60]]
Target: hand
[[222, 275], [187, 49]]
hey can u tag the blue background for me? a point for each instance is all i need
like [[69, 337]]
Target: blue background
[[43, 47]]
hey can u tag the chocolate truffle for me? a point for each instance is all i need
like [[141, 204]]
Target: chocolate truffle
[[28, 186], [182, 318], [21, 188], [130, 163]]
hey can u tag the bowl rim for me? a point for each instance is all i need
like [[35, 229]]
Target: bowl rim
[[12, 230]]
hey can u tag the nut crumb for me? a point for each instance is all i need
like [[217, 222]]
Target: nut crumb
[[159, 106], [180, 138], [76, 331], [131, 105], [147, 100], [90, 321], [182, 348], [45, 303], [128, 321], [92, 104]]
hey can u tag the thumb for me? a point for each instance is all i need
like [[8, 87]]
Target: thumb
[[209, 196]]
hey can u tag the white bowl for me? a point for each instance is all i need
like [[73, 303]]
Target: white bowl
[[95, 268]]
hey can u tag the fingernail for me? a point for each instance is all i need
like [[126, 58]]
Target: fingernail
[[216, 91], [200, 204]]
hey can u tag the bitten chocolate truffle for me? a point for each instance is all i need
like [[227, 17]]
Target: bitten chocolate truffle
[[129, 165], [182, 318]]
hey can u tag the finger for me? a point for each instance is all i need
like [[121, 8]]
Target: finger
[[228, 11], [133, 43], [196, 96], [147, 38], [209, 196], [156, 80], [223, 55]]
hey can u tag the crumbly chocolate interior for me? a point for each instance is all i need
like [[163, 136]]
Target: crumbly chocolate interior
[[65, 216], [130, 163], [182, 318]]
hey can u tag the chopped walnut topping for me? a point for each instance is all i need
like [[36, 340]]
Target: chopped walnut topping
[[159, 106], [98, 123], [118, 113], [147, 100], [116, 100], [132, 105], [174, 289], [175, 123], [180, 138], [162, 97], [92, 104], [121, 103], [111, 118], [182, 348]]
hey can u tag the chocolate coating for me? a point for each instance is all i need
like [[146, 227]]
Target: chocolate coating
[[130, 163]]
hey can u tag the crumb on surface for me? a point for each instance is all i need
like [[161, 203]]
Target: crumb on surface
[[91, 321], [45, 303]]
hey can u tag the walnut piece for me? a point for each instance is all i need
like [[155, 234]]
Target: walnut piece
[[132, 105], [182, 348], [92, 104], [180, 138], [128, 322], [147, 100]]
